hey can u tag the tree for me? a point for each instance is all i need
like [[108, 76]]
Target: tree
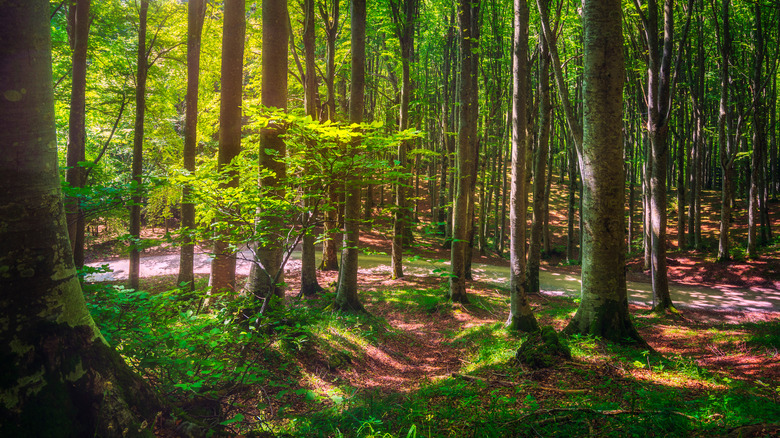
[[330, 17], [346, 293], [520, 314], [223, 267], [659, 105], [540, 166], [60, 378], [309, 284], [138, 146], [79, 21], [462, 222], [603, 310], [267, 273], [196, 11], [404, 29]]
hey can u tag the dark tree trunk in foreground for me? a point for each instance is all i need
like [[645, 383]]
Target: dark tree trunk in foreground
[[346, 294], [267, 273], [196, 10], [59, 377], [223, 267], [603, 310], [138, 148], [76, 174], [520, 315]]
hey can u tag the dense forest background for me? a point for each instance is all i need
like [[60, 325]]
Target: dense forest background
[[309, 139]]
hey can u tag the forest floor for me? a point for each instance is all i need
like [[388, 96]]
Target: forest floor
[[420, 366]]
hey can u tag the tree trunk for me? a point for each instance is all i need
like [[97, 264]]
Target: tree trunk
[[223, 267], [540, 166], [521, 316], [309, 284], [465, 153], [404, 26], [60, 378], [346, 294], [266, 275], [76, 173], [196, 12], [726, 142], [603, 310], [138, 149], [759, 139]]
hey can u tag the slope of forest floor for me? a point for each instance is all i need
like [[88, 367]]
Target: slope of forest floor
[[417, 365]]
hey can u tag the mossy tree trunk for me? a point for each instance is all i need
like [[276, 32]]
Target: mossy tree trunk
[[59, 377]]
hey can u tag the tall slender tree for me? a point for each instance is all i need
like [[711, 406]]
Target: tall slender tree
[[79, 23], [196, 12], [309, 284], [223, 267], [465, 155], [520, 315], [404, 14], [142, 68], [346, 293], [266, 274]]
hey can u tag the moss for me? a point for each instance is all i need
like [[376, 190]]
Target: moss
[[542, 349]]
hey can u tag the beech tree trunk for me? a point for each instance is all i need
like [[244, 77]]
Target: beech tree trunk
[[138, 148], [465, 154], [223, 267], [603, 310], [346, 293], [267, 273], [403, 18], [759, 139], [331, 19], [60, 378], [309, 284], [540, 167], [521, 316], [76, 173], [196, 11]]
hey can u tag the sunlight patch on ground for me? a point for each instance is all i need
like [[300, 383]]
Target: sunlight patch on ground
[[674, 380]]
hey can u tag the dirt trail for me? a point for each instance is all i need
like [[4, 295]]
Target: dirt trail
[[553, 280]]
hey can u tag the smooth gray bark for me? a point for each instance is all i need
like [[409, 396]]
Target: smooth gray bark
[[520, 315]]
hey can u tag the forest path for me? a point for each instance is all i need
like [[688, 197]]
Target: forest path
[[553, 280], [416, 349]]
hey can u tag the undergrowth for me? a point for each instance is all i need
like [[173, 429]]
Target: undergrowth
[[283, 373]]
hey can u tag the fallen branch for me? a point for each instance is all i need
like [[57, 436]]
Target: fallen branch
[[614, 412], [513, 384], [482, 379]]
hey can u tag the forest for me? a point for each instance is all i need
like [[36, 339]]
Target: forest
[[389, 218]]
